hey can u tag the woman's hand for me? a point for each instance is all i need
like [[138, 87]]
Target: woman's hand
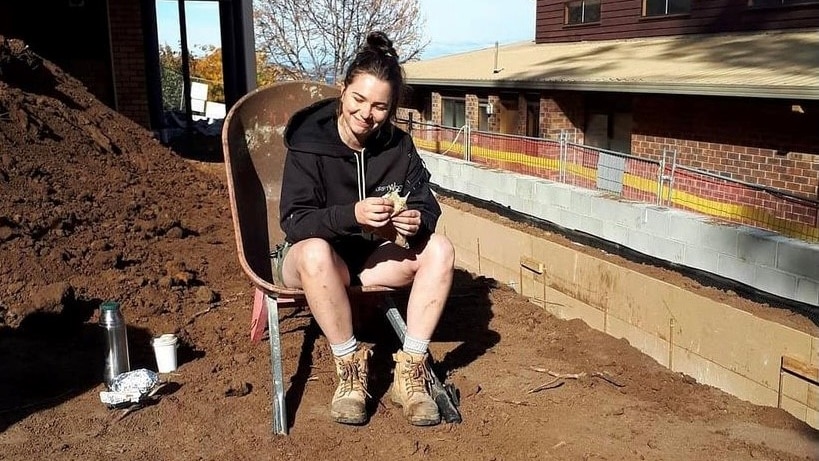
[[407, 222], [373, 212]]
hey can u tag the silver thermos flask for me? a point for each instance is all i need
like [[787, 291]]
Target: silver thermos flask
[[116, 359]]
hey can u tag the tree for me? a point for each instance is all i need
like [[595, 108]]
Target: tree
[[205, 67], [170, 67], [208, 69], [266, 72], [317, 39]]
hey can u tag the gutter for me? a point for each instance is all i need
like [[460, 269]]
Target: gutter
[[703, 89]]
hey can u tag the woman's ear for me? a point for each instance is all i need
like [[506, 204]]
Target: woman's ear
[[340, 100]]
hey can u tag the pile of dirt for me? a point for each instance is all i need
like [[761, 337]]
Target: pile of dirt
[[89, 196], [93, 208]]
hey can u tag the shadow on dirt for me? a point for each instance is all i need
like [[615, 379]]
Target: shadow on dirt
[[53, 357], [465, 321], [298, 383], [194, 145]]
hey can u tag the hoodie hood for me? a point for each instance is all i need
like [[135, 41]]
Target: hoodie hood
[[314, 129]]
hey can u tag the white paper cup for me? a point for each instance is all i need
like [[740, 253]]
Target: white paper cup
[[165, 351]]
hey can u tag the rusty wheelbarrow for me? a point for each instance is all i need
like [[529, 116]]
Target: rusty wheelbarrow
[[254, 158]]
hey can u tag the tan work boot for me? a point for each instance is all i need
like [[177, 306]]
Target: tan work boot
[[411, 389], [349, 401]]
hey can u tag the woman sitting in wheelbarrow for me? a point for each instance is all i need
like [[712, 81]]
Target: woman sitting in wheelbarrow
[[356, 208]]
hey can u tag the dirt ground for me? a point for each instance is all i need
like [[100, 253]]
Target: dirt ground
[[92, 208]]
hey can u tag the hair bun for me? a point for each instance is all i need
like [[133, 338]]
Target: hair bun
[[379, 41]]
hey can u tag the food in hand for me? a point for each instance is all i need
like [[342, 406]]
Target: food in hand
[[399, 203]]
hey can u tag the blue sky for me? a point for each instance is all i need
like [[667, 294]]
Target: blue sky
[[203, 23], [452, 26]]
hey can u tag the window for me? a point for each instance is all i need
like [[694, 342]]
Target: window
[[665, 7], [483, 117], [510, 115], [454, 112], [427, 113], [582, 12]]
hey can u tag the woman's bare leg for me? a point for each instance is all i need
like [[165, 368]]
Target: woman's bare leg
[[430, 272], [314, 266]]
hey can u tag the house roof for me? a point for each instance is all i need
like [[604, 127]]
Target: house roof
[[783, 64]]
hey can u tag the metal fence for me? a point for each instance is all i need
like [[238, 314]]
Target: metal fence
[[663, 182]]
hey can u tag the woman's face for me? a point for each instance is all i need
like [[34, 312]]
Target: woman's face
[[365, 106]]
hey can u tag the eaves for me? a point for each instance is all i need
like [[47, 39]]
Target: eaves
[[746, 91]]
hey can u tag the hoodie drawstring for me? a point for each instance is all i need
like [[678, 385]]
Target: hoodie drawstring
[[359, 165]]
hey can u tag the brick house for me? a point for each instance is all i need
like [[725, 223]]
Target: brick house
[[731, 85], [112, 47]]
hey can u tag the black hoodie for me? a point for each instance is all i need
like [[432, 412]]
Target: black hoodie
[[324, 178]]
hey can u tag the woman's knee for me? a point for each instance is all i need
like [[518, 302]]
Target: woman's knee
[[315, 255], [439, 251]]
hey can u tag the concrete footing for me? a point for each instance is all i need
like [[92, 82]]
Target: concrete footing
[[752, 358]]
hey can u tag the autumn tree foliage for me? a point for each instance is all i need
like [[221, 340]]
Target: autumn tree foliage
[[317, 39], [206, 67], [267, 72]]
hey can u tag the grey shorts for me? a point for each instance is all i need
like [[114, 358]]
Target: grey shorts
[[277, 257]]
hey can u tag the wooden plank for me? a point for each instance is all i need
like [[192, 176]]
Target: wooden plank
[[800, 369], [531, 264]]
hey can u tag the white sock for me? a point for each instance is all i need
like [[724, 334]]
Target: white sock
[[415, 346], [344, 348]]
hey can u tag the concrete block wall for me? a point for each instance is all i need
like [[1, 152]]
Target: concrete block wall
[[716, 344], [761, 259]]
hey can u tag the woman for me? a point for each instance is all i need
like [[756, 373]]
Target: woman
[[344, 156]]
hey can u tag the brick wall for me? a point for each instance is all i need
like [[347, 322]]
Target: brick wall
[[404, 113], [774, 143], [437, 108], [94, 74], [520, 129], [562, 111], [129, 60], [493, 122], [472, 106], [757, 141]]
